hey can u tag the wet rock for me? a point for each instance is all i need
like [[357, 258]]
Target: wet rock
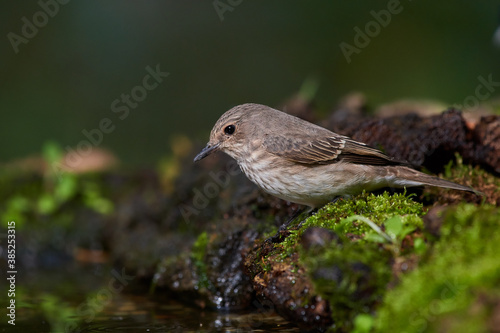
[[287, 286], [226, 271], [213, 277]]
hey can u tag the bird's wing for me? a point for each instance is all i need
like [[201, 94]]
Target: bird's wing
[[326, 150]]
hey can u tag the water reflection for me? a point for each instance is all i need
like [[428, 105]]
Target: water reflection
[[138, 313]]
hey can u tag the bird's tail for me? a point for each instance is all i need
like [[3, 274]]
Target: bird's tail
[[412, 175]]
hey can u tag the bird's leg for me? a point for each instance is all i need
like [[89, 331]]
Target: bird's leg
[[313, 211], [297, 213], [337, 198], [284, 226], [308, 212]]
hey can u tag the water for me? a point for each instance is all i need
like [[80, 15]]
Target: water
[[137, 313], [75, 300]]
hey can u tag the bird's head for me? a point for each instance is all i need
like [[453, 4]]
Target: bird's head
[[229, 132]]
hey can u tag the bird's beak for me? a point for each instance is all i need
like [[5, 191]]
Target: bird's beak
[[206, 151]]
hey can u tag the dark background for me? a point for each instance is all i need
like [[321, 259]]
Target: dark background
[[64, 79]]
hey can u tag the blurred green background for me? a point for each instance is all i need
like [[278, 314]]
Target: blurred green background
[[64, 79]]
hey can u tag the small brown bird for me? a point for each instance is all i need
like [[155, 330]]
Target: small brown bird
[[304, 163]]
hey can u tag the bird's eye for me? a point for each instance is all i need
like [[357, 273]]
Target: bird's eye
[[229, 129]]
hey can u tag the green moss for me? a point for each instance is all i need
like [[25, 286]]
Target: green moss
[[377, 208], [472, 175], [198, 253], [457, 283], [200, 247]]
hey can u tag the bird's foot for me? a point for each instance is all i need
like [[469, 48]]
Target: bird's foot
[[283, 229], [281, 234]]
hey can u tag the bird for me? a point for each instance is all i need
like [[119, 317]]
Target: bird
[[304, 163]]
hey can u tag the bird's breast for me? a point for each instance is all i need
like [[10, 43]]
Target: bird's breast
[[287, 180]]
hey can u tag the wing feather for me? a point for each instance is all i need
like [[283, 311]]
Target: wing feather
[[326, 150]]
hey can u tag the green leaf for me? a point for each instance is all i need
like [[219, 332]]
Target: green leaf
[[374, 237], [394, 226], [407, 229]]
